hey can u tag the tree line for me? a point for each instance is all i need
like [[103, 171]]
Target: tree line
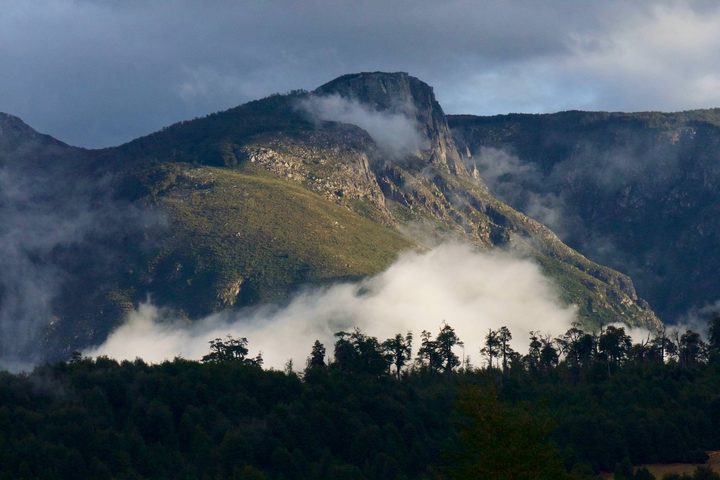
[[576, 349]]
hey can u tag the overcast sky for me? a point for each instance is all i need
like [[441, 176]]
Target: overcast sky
[[98, 73]]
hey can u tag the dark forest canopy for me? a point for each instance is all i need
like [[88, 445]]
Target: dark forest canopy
[[570, 407]]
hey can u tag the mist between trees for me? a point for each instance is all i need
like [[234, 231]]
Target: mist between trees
[[576, 350], [473, 290]]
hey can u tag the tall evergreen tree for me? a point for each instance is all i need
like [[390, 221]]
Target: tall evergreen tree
[[317, 356], [446, 340], [505, 350], [399, 350], [491, 350], [691, 348], [429, 353]]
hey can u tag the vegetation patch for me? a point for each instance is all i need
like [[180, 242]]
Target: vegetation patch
[[261, 235]]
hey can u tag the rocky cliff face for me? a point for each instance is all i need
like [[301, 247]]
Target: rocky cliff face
[[402, 93], [634, 191]]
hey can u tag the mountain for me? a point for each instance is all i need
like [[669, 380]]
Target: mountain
[[635, 191], [16, 135], [246, 206]]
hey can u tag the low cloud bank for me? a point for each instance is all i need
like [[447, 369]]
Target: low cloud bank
[[396, 133], [472, 291]]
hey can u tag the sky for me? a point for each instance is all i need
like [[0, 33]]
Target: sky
[[99, 73]]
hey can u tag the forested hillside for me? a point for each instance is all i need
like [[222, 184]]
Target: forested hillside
[[570, 407]]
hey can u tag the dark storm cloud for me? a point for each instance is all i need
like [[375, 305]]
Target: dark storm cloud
[[102, 72]]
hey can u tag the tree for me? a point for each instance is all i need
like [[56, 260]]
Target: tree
[[356, 352], [640, 353], [577, 346], [446, 340], [662, 348], [491, 350], [75, 357], [317, 356], [533, 357], [691, 348], [428, 354], [503, 441], [505, 350], [549, 356], [345, 353], [614, 345], [230, 350], [399, 351], [437, 354]]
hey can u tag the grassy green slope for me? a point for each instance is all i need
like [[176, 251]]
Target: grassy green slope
[[243, 236]]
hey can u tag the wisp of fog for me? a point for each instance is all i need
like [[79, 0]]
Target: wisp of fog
[[39, 213], [471, 290], [395, 132], [49, 208]]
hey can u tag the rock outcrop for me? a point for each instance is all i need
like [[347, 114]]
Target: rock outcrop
[[402, 93]]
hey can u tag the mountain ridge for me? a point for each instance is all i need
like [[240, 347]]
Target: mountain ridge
[[204, 189], [647, 180]]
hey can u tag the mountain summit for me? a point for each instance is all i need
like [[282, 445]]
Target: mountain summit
[[18, 138], [402, 93], [12, 126]]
